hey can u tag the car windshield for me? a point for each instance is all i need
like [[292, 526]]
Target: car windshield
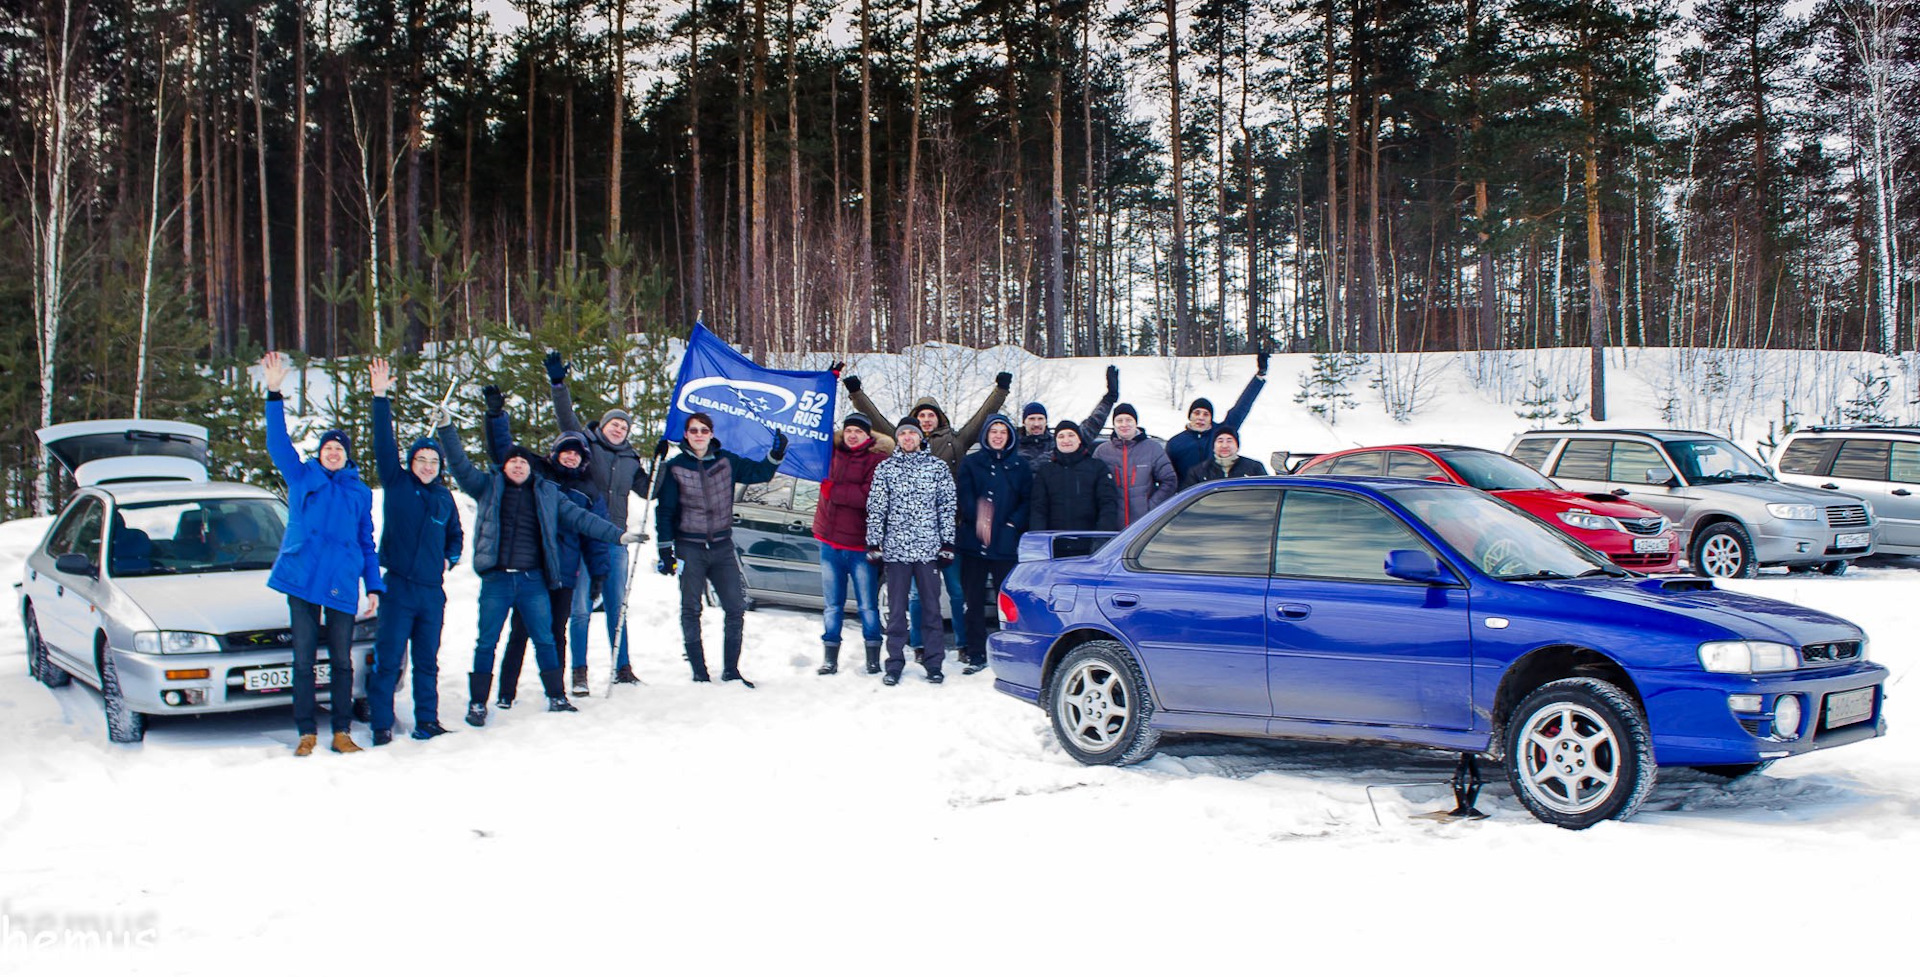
[[1714, 460], [196, 536], [1500, 539], [1491, 471]]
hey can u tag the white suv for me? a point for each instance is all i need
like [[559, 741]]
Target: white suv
[[1879, 464]]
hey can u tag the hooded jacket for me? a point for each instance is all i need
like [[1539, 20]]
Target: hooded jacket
[[1190, 447], [1004, 479], [910, 507], [840, 518], [576, 484], [420, 531], [554, 511], [944, 442], [327, 551], [696, 494], [617, 469], [1035, 447], [1142, 472], [1073, 492]]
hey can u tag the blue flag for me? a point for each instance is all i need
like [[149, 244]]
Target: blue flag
[[745, 400]]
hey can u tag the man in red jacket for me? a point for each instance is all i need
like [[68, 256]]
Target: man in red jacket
[[840, 524]]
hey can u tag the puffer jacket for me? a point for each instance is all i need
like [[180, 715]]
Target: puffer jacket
[[1073, 492], [555, 512], [1035, 447], [840, 518], [420, 530], [576, 483], [910, 507], [1003, 478], [1210, 470], [696, 494], [327, 552], [945, 443], [1190, 447], [617, 469], [1143, 473]]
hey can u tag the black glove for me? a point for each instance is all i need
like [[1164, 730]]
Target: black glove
[[660, 450], [496, 401], [593, 590], [873, 555], [837, 366], [557, 369], [667, 562], [1260, 361], [1113, 382], [1003, 380], [944, 558], [779, 446], [852, 383]]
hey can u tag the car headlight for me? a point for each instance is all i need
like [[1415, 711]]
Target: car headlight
[[1746, 657], [1796, 511], [366, 630], [1786, 717], [1585, 520], [175, 643]]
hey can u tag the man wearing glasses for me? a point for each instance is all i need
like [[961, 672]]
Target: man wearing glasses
[[694, 522]]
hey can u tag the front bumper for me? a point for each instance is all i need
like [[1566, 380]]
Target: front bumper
[[1803, 541], [144, 681], [1619, 547], [1694, 724]]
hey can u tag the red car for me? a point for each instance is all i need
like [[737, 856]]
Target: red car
[[1628, 533]]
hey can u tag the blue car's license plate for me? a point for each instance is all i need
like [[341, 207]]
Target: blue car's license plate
[[1847, 708]]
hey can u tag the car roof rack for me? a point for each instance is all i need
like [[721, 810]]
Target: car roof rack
[[1860, 429], [1644, 432]]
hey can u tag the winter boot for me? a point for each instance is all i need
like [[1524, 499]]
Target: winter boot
[[919, 655], [891, 679], [873, 658], [381, 737], [624, 676], [580, 681], [698, 659], [362, 711], [935, 678], [733, 675], [832, 664], [427, 731], [478, 683], [559, 703], [343, 743], [975, 662], [307, 743]]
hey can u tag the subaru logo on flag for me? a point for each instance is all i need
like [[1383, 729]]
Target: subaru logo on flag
[[748, 402]]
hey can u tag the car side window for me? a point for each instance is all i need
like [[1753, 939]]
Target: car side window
[[1866, 460], [806, 494], [776, 492], [1338, 537], [1808, 456], [1406, 464], [1591, 460], [1633, 460], [1906, 464], [79, 532], [1533, 452], [1225, 532], [1364, 463]]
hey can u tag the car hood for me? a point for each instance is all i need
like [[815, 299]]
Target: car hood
[[1549, 501], [1743, 616], [212, 603], [1775, 492]]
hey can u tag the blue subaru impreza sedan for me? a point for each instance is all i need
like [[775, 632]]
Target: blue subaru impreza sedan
[[1392, 611]]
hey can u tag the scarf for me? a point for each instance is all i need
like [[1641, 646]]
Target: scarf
[[1226, 464]]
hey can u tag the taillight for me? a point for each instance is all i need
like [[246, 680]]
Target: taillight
[[1009, 614]]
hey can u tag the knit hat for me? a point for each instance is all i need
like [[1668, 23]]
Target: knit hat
[[906, 422], [1127, 409], [424, 444], [346, 442], [1226, 432], [858, 420], [616, 414], [1068, 426], [701, 416], [1035, 407], [1196, 405], [519, 451]]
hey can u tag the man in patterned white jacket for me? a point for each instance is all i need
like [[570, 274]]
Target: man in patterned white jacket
[[910, 524]]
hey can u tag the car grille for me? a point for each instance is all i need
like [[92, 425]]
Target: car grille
[[259, 640], [1847, 516], [1645, 527], [1830, 653], [1631, 560]]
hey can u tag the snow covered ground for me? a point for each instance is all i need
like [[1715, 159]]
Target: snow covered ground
[[833, 825]]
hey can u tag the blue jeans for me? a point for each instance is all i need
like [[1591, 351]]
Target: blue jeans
[[956, 605], [580, 615], [410, 614], [613, 594], [836, 565], [505, 591]]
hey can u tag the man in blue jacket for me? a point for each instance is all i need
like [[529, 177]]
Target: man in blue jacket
[[1191, 447], [996, 490], [420, 540], [516, 552], [325, 556]]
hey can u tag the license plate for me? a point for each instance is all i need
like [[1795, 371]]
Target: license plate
[[280, 679], [1849, 541], [1658, 544], [1847, 708]]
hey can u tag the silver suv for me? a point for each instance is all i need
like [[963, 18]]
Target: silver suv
[[1733, 515], [1879, 464]]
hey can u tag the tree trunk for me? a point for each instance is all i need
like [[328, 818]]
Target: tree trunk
[[266, 226], [300, 184], [699, 206], [617, 319], [1177, 248], [1596, 258], [865, 274], [1056, 250]]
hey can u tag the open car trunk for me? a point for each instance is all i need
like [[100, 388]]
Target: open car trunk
[[129, 450]]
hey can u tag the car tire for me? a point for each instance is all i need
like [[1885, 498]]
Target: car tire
[[1724, 550], [123, 724], [1835, 568], [39, 661], [1102, 712], [1579, 753], [1734, 771]]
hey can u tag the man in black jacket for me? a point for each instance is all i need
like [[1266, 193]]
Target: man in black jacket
[[1224, 462], [1073, 490]]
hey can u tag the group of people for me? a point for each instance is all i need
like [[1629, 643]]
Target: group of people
[[926, 507], [937, 508]]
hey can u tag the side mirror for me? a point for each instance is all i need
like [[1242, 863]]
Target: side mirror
[[1418, 566], [1660, 476], [75, 565]]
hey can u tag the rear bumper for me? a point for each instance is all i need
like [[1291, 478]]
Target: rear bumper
[[1694, 723], [144, 681]]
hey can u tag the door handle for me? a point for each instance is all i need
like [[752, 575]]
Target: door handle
[[1622, 493], [1123, 600], [1292, 612], [796, 526], [1903, 493], [1829, 485], [738, 519]]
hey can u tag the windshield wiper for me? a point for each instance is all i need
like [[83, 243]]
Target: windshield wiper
[[1606, 572], [1537, 575]]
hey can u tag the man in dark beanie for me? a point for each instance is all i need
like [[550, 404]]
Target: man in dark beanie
[[1190, 447], [910, 529], [1036, 439], [1072, 490], [1143, 473], [1224, 461], [694, 523]]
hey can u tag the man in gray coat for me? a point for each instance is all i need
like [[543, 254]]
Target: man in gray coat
[[1140, 465]]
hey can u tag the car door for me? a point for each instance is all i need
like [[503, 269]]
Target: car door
[[1347, 643], [1191, 597], [1864, 467], [1629, 469], [763, 529], [1899, 509], [66, 614]]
